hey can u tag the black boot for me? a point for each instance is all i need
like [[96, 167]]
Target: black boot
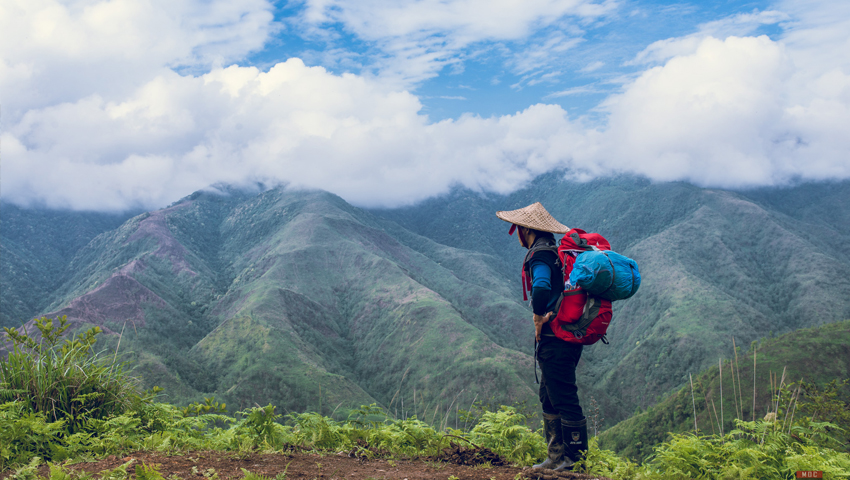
[[554, 440], [575, 442]]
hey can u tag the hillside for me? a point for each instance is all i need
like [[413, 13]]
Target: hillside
[[35, 250], [814, 355], [304, 301], [301, 300], [715, 264]]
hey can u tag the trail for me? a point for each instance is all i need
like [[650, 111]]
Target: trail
[[216, 465]]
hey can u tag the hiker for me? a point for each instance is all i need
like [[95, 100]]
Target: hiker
[[563, 419]]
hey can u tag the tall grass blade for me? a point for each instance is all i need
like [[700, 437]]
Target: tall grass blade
[[755, 354], [713, 432], [693, 400], [738, 373], [734, 394], [722, 418]]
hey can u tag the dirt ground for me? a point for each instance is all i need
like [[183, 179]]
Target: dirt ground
[[207, 465]]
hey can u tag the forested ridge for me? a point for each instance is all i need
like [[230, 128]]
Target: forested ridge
[[302, 300]]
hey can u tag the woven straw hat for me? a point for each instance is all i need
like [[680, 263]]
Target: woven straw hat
[[534, 216]]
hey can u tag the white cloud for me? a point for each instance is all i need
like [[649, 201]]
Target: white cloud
[[53, 51], [295, 123], [580, 90], [539, 55], [726, 111], [736, 25], [593, 66], [468, 20], [735, 113]]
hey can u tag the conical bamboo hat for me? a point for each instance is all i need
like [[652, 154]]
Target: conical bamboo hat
[[533, 216]]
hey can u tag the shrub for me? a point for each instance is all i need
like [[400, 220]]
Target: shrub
[[505, 432], [64, 379]]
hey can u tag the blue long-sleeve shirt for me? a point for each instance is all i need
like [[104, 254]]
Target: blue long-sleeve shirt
[[544, 286]]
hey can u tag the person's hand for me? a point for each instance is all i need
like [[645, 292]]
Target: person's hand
[[539, 320]]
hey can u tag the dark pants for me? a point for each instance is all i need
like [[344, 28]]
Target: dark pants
[[558, 392]]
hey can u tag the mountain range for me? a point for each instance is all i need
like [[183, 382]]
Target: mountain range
[[300, 299]]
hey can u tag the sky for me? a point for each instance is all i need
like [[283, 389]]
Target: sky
[[112, 105]]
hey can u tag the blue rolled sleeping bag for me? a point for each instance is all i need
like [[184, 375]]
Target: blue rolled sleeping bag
[[606, 274]]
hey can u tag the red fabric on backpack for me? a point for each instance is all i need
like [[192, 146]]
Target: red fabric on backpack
[[568, 242], [571, 310], [574, 302]]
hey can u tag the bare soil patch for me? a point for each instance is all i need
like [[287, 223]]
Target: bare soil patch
[[205, 465]]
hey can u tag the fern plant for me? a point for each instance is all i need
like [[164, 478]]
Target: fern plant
[[505, 432]]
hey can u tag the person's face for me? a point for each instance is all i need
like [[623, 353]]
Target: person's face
[[520, 235]]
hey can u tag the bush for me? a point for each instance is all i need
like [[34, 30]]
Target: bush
[[62, 379], [505, 432], [761, 449]]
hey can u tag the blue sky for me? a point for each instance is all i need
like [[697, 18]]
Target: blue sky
[[117, 104], [485, 80]]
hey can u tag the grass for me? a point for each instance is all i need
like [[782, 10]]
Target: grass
[[63, 379], [817, 355], [800, 433]]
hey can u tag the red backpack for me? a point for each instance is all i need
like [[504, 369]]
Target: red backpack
[[580, 318]]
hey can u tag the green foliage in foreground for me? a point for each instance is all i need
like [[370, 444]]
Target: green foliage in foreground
[[142, 472], [813, 359], [36, 431], [63, 379]]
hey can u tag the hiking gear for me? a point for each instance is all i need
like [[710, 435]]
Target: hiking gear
[[589, 263], [584, 309], [565, 466], [575, 439], [558, 392], [582, 318], [533, 216], [543, 244], [608, 275], [554, 441]]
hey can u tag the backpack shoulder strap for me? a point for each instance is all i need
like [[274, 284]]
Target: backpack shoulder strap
[[545, 244]]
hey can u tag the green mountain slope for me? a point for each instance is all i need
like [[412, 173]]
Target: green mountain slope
[[715, 264], [815, 355], [301, 300], [35, 249]]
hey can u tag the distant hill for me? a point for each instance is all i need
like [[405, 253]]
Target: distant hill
[[814, 355], [715, 264], [36, 247], [302, 300]]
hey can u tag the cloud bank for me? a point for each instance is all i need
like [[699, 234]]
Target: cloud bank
[[96, 115]]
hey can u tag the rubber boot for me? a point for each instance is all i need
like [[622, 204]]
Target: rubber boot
[[575, 443], [554, 440]]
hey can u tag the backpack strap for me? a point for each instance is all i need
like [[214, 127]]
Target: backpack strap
[[543, 244], [591, 311], [567, 293], [613, 273]]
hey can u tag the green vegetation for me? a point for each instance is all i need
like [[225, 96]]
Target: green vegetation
[[72, 410], [300, 300], [813, 359], [36, 246], [62, 379], [715, 264], [794, 436]]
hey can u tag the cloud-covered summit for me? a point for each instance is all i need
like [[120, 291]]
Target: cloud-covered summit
[[115, 104]]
